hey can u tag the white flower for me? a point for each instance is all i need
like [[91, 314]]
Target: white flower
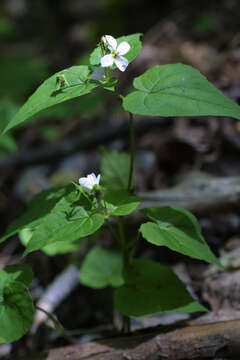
[[116, 53], [89, 181]]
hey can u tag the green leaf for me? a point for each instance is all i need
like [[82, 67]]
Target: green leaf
[[133, 40], [75, 81], [101, 267], [115, 170], [177, 90], [87, 108], [65, 224], [151, 288], [22, 273], [120, 202], [109, 85], [56, 248], [39, 207], [179, 230], [16, 307]]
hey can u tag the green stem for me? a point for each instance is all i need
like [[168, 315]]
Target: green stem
[[132, 144], [112, 230], [126, 255], [126, 320], [121, 234], [56, 323], [119, 95], [134, 247], [109, 73], [132, 150], [99, 200]]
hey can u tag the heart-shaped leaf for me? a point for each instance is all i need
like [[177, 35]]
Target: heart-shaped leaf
[[151, 288], [101, 267], [177, 90], [16, 307], [115, 170]]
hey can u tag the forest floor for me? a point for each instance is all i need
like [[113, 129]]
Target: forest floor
[[190, 162]]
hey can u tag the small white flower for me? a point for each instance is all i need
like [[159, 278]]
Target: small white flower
[[89, 181], [104, 40], [116, 53]]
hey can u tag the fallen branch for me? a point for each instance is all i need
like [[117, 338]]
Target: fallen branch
[[198, 195], [191, 342]]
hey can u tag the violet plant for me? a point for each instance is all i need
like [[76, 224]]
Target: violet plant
[[60, 217]]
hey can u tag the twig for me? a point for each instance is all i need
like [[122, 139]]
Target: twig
[[55, 293], [50, 153], [57, 324]]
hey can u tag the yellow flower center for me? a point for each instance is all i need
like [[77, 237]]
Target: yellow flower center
[[114, 54]]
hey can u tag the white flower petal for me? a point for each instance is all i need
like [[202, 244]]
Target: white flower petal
[[82, 180], [89, 181], [88, 186], [92, 179], [98, 179], [121, 63], [107, 60], [123, 48], [85, 182], [104, 40], [112, 43], [93, 176]]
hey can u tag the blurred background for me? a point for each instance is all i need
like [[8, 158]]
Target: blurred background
[[41, 37]]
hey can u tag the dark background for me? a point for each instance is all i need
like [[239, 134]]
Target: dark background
[[38, 38]]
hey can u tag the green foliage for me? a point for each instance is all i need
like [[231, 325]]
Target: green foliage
[[16, 307], [133, 40], [87, 108], [120, 202], [65, 223], [115, 170], [74, 82], [57, 219], [101, 267], [151, 288], [177, 229], [22, 273], [177, 90], [39, 207], [57, 248]]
